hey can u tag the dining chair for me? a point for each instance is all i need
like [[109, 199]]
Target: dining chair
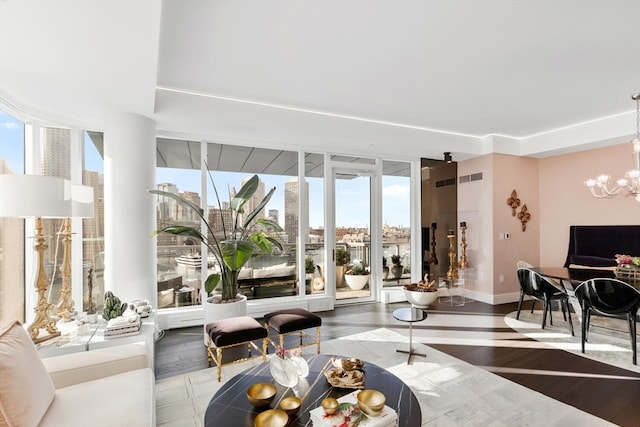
[[610, 298], [534, 285]]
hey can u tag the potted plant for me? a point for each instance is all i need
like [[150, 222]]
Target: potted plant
[[385, 269], [309, 269], [356, 277], [239, 239], [396, 268], [342, 259]]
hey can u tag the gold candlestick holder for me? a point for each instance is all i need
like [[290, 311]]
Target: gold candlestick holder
[[64, 308], [433, 258], [463, 262], [452, 273], [42, 319]]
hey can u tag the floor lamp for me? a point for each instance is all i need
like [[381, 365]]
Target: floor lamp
[[36, 196], [81, 207]]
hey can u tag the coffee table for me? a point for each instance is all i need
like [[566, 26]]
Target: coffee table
[[410, 315], [230, 407]]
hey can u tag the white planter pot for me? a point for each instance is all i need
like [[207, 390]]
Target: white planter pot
[[356, 282], [216, 310], [420, 299]]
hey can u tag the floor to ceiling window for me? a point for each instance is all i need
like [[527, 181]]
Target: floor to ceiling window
[[12, 249], [93, 228], [396, 217]]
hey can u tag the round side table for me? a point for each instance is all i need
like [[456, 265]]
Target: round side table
[[410, 315]]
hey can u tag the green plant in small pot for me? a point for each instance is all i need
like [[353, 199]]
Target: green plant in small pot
[[342, 259], [239, 242], [309, 269], [396, 268], [356, 277]]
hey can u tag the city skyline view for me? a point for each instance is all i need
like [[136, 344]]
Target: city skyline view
[[395, 190]]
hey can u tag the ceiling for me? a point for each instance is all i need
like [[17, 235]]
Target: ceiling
[[403, 79]]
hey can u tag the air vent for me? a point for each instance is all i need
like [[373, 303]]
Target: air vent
[[469, 178], [445, 182]]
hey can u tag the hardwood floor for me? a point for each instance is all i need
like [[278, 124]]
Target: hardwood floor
[[467, 333]]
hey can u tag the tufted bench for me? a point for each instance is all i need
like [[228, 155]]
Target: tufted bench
[[232, 332], [294, 320]]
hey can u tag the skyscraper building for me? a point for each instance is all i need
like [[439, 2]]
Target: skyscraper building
[[291, 219], [255, 199], [167, 207], [55, 152]]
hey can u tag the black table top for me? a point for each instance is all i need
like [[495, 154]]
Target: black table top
[[230, 407], [410, 314]]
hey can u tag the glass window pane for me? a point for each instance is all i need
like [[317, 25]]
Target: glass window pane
[[55, 160], [263, 276], [93, 228], [314, 243], [179, 257], [396, 231], [12, 286]]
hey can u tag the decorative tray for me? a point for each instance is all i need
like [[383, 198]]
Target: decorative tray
[[345, 373]]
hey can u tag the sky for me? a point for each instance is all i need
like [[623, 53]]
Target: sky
[[352, 196]]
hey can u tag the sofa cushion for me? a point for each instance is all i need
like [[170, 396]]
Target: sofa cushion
[[26, 391], [125, 399]]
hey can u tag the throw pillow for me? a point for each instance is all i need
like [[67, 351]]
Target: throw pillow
[[26, 390]]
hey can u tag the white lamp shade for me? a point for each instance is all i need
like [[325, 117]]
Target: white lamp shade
[[34, 196], [81, 201]]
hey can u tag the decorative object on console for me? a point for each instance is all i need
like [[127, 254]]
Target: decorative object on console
[[463, 262], [113, 307], [630, 184], [524, 216], [452, 273], [514, 202], [81, 207], [37, 197]]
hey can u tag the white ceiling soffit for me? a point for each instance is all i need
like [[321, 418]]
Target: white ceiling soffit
[[400, 78]]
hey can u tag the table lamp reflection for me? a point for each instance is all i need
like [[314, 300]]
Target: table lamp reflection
[[81, 207]]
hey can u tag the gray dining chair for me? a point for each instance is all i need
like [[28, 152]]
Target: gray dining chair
[[610, 298]]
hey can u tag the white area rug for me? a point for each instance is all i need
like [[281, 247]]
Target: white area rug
[[609, 340], [450, 391]]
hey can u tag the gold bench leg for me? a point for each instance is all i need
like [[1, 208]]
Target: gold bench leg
[[318, 338], [219, 362], [265, 344]]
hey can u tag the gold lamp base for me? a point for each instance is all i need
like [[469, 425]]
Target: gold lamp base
[[42, 319]]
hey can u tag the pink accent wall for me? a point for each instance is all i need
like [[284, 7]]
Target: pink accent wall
[[566, 201], [553, 189]]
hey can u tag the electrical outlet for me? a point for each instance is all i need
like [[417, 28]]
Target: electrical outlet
[[501, 278], [501, 236]]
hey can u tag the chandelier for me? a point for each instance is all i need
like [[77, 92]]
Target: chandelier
[[630, 184]]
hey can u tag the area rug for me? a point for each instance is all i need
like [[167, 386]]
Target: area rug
[[608, 342], [450, 391]]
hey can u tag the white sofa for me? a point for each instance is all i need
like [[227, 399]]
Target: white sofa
[[113, 386]]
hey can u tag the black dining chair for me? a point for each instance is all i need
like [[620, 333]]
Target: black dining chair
[[610, 298], [537, 287]]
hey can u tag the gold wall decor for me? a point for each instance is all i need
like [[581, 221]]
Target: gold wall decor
[[514, 202], [524, 216]]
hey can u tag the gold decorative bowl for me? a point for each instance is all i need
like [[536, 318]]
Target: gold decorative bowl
[[271, 418], [371, 402], [261, 394], [330, 405], [290, 404]]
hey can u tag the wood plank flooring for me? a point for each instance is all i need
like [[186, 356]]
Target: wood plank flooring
[[603, 390]]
